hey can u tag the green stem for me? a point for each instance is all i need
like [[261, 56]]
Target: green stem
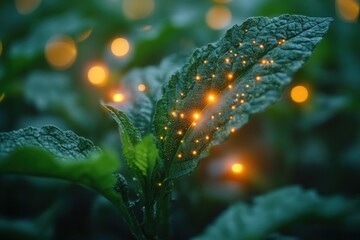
[[132, 222]]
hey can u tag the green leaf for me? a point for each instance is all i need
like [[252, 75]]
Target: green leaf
[[244, 72], [50, 152], [141, 105], [274, 210], [146, 155]]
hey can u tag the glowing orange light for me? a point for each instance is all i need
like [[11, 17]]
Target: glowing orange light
[[196, 116], [182, 115], [211, 98], [299, 94], [98, 75], [230, 76], [26, 6], [237, 168], [218, 17], [232, 130], [161, 137], [257, 78], [120, 47], [142, 87], [194, 152], [118, 97], [207, 137], [261, 46], [197, 78], [227, 60], [179, 155], [179, 132], [348, 10], [60, 52], [173, 114]]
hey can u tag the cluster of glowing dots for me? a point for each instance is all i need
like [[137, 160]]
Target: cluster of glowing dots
[[98, 75], [237, 168], [299, 94], [120, 47]]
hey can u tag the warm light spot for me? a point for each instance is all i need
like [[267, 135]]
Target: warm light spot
[[218, 17], [227, 60], [197, 77], [197, 141], [244, 62], [193, 124], [253, 42], [237, 168], [182, 94], [261, 46], [60, 52], [194, 152], [230, 86], [246, 30], [173, 114], [159, 184], [137, 9], [182, 115], [142, 87], [232, 130], [98, 75], [207, 137], [120, 47], [230, 76], [257, 78], [196, 116], [83, 36], [219, 113], [26, 6], [118, 97], [242, 101], [271, 61], [179, 155], [240, 44], [348, 10], [263, 61], [233, 107], [179, 132], [212, 75], [299, 94], [212, 117], [247, 85], [205, 62], [211, 98], [235, 54], [161, 138], [165, 128]]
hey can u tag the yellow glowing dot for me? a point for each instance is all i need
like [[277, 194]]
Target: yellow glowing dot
[[237, 168], [194, 124], [165, 128], [182, 94], [179, 155], [217, 128], [219, 113], [263, 61], [244, 62], [197, 78], [60, 52], [283, 40], [205, 61], [212, 117], [299, 94], [173, 114], [137, 9], [207, 137], [161, 137], [179, 132], [142, 87], [196, 116], [159, 184], [271, 61], [348, 10], [118, 97], [279, 42], [227, 60], [120, 47], [182, 141], [218, 17], [235, 54], [98, 75], [182, 115], [257, 78], [246, 30], [242, 101], [194, 152], [233, 107], [242, 94], [230, 76], [230, 86], [247, 85], [232, 130], [197, 141], [261, 46], [240, 44], [211, 98], [26, 6], [253, 42], [213, 75], [231, 117]]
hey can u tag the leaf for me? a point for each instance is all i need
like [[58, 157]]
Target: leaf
[[146, 155], [140, 107], [225, 82], [50, 152], [273, 211]]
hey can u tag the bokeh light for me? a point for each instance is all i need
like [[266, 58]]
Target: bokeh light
[[98, 74], [299, 94], [60, 52], [118, 97], [348, 10], [218, 17], [137, 9], [237, 168], [142, 87], [26, 6], [120, 47]]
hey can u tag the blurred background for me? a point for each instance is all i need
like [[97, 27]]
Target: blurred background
[[60, 58]]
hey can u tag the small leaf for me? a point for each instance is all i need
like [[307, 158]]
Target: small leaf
[[140, 107], [274, 210], [146, 155], [50, 152], [225, 82]]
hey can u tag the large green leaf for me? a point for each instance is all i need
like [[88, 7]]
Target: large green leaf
[[146, 155], [225, 82], [51, 152], [274, 210]]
